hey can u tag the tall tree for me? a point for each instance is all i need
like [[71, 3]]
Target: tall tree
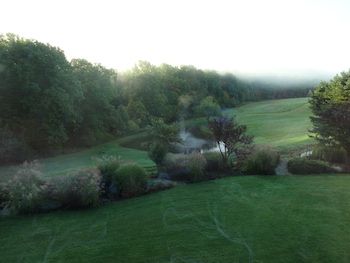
[[330, 105], [39, 96]]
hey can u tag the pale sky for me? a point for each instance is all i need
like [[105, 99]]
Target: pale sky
[[240, 36]]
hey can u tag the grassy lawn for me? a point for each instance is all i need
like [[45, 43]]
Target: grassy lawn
[[237, 219], [280, 123], [67, 163]]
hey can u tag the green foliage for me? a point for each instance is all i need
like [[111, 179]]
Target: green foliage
[[329, 154], [4, 195], [24, 191], [165, 134], [196, 163], [306, 166], [331, 109], [262, 162], [39, 96], [130, 180], [97, 112], [189, 168], [157, 152], [231, 138], [214, 162], [208, 107], [11, 148], [48, 103], [108, 165], [79, 190]]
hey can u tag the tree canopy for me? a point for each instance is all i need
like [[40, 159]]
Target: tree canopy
[[48, 103], [330, 105]]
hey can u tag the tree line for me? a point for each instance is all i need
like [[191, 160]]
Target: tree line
[[48, 103]]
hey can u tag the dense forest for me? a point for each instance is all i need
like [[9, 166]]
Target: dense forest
[[48, 103]]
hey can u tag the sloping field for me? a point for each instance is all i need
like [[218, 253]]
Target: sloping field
[[280, 123]]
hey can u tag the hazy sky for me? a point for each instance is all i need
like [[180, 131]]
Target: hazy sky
[[244, 36]]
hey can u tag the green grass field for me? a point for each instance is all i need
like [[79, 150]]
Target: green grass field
[[236, 219], [281, 123], [67, 163]]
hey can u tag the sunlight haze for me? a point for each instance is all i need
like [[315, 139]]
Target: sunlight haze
[[244, 37]]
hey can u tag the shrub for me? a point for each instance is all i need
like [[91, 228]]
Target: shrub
[[130, 180], [190, 168], [157, 152], [175, 166], [305, 166], [196, 163], [108, 165], [24, 191], [263, 161], [214, 161], [329, 154], [79, 190]]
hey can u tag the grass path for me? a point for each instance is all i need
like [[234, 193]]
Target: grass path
[[237, 219]]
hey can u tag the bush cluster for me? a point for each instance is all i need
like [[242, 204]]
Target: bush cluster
[[79, 190], [262, 162], [214, 162], [329, 154], [24, 192], [130, 180], [157, 152], [189, 168], [305, 166], [28, 191]]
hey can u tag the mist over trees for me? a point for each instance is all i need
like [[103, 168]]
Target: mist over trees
[[48, 103]]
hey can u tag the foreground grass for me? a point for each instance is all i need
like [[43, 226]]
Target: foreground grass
[[67, 163], [237, 219]]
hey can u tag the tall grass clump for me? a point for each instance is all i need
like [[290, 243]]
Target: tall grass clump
[[24, 192], [130, 180], [79, 190], [262, 161]]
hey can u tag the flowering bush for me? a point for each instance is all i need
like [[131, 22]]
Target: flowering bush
[[25, 189], [78, 190]]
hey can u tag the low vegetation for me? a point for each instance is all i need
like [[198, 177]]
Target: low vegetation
[[306, 166], [262, 161]]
